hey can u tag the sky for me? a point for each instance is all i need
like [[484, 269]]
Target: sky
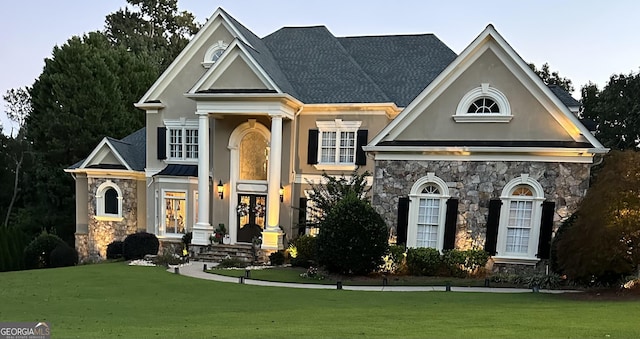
[[584, 40]]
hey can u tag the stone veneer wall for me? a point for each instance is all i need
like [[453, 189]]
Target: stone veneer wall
[[93, 246], [474, 183]]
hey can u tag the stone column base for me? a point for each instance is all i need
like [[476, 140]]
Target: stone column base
[[272, 239]]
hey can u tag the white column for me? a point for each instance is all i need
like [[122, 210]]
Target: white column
[[272, 235], [202, 229]]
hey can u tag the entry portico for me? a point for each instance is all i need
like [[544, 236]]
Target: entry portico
[[276, 107]]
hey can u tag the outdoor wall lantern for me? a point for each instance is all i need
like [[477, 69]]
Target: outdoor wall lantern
[[220, 189], [281, 191]]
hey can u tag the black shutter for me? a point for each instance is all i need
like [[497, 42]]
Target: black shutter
[[450, 223], [302, 216], [312, 150], [162, 143], [403, 221], [493, 222], [361, 156], [546, 229]]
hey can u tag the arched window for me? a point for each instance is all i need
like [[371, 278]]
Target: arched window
[[483, 104], [108, 202], [519, 228], [253, 156], [213, 53], [427, 212]]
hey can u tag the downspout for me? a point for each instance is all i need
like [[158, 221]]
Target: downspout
[[292, 157]]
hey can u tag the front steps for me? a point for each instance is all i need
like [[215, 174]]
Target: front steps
[[219, 252]]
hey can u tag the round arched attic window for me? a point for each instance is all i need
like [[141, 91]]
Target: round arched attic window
[[214, 53], [483, 104]]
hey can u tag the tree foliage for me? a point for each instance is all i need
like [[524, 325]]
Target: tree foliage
[[352, 238], [85, 92], [331, 190], [154, 28], [615, 109], [552, 77], [602, 243]]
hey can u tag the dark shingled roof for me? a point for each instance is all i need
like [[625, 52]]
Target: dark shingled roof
[[131, 148], [401, 65], [180, 170], [564, 96], [314, 66]]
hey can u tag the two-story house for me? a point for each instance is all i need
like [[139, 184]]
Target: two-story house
[[465, 150]]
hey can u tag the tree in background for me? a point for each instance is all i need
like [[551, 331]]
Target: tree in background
[[602, 243], [154, 28], [616, 110], [85, 92], [552, 78], [18, 108]]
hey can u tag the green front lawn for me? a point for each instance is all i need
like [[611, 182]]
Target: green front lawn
[[115, 300]]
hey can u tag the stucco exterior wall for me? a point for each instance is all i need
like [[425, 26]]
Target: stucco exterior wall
[[474, 183]]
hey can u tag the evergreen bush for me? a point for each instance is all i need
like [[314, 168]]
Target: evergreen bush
[[115, 250], [424, 261], [38, 253], [352, 238], [12, 244], [63, 255], [137, 245], [277, 258], [305, 251]]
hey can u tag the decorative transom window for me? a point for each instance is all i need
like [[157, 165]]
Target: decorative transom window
[[337, 144], [519, 228], [483, 104], [175, 213], [214, 53], [427, 212], [108, 202], [182, 141]]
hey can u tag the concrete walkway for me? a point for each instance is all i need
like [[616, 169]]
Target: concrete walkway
[[194, 269]]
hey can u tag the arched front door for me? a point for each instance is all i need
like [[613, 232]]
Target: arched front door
[[252, 209]]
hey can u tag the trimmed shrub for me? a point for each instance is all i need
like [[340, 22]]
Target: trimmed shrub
[[352, 238], [232, 263], [464, 263], [137, 245], [423, 261], [115, 250], [305, 251], [63, 255], [277, 258], [12, 244], [38, 253], [186, 239]]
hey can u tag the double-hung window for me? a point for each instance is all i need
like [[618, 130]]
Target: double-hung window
[[182, 141], [338, 140]]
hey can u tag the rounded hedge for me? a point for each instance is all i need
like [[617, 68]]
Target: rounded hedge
[[424, 261], [38, 253], [306, 251], [63, 255], [115, 250], [137, 245], [352, 238]]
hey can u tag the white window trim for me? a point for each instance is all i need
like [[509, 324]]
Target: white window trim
[[528, 258], [182, 124], [337, 126], [162, 232], [100, 213], [208, 55], [414, 201], [485, 91]]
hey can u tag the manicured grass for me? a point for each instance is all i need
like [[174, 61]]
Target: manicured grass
[[292, 274], [115, 300]]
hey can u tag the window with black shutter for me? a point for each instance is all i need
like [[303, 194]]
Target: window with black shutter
[[493, 222], [450, 222]]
